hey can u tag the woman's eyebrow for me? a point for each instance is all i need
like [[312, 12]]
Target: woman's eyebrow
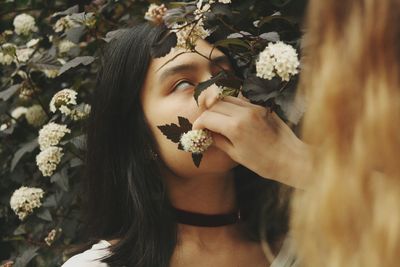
[[177, 69], [219, 60]]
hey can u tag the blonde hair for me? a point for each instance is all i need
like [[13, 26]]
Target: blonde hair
[[350, 215]]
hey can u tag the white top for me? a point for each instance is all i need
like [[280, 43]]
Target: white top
[[90, 258]]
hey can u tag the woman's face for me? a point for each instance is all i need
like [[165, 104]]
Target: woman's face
[[168, 93]]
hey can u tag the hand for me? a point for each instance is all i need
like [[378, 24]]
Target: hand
[[255, 137]]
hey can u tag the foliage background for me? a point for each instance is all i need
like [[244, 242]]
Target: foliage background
[[24, 241]]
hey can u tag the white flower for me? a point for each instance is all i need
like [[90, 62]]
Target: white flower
[[188, 34], [79, 114], [155, 13], [225, 1], [25, 199], [5, 59], [35, 115], [24, 24], [196, 141], [51, 73], [24, 54], [62, 101], [32, 42], [51, 134], [7, 53], [49, 239], [65, 45], [48, 159], [18, 112], [3, 127], [64, 23], [277, 59]]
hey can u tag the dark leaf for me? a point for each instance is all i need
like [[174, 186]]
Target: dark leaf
[[197, 159], [75, 34], [111, 35], [270, 36], [26, 257], [85, 60], [172, 131], [6, 94], [164, 46], [69, 11], [259, 90], [25, 148], [20, 230], [44, 214], [204, 85], [50, 201], [280, 3], [221, 10], [185, 124], [228, 43], [61, 179], [46, 61], [291, 103]]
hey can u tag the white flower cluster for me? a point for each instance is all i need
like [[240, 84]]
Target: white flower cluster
[[65, 45], [49, 239], [24, 54], [25, 199], [63, 100], [82, 113], [155, 13], [188, 34], [196, 141], [64, 23], [24, 24], [35, 115], [18, 112], [51, 134], [277, 59], [7, 53], [51, 73], [48, 159]]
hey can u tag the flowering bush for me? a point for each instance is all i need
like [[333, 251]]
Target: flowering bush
[[48, 64]]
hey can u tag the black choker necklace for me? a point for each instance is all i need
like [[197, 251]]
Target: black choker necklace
[[206, 220]]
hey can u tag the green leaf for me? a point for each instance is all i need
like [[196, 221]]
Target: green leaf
[[26, 257], [61, 179], [6, 94], [75, 34], [46, 61], [85, 60], [204, 85], [25, 148], [50, 201], [45, 215], [20, 230]]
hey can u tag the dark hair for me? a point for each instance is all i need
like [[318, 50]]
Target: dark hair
[[124, 195]]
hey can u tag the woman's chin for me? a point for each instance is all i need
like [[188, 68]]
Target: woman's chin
[[216, 160]]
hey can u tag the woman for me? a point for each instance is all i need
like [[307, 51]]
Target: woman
[[145, 201], [353, 84]]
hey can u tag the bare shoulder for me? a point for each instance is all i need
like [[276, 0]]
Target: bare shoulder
[[91, 257]]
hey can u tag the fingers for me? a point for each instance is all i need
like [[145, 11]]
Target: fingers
[[213, 121], [208, 98], [222, 143]]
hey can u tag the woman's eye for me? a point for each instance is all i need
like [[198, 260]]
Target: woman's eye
[[183, 85]]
